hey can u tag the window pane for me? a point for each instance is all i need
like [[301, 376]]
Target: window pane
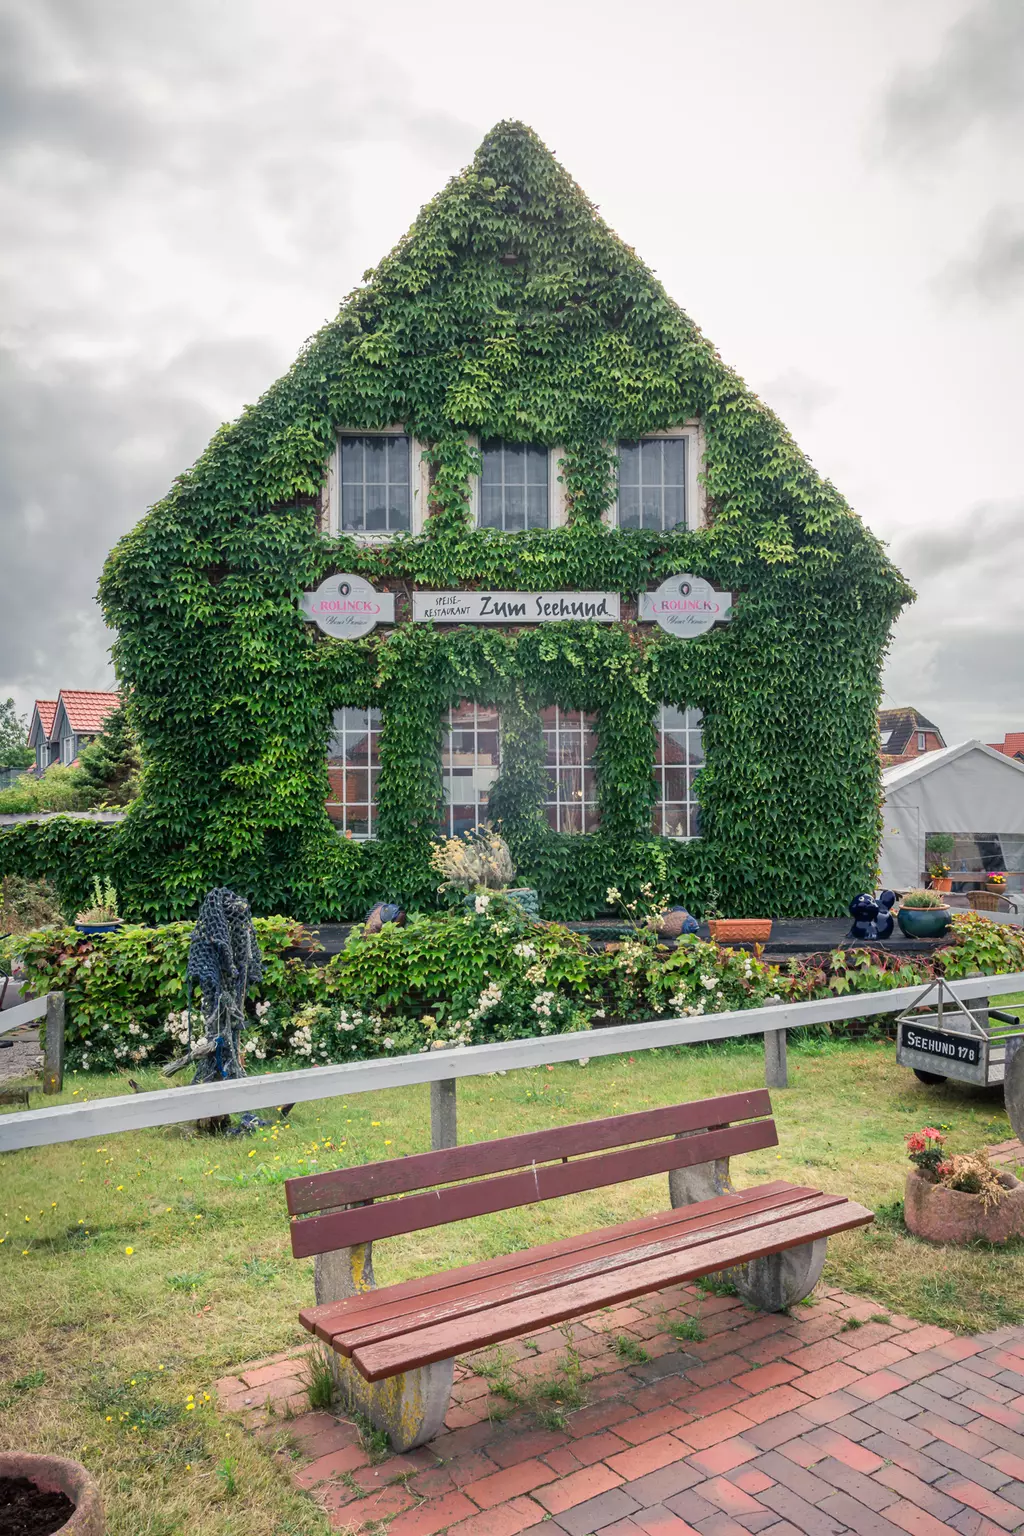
[[652, 483], [679, 753], [376, 494], [570, 801], [352, 786], [470, 760], [513, 486]]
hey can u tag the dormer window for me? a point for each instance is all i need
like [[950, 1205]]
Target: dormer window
[[515, 490], [376, 483]]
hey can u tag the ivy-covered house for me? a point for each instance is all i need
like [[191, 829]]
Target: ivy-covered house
[[508, 542]]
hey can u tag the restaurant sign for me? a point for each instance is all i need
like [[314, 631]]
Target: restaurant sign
[[513, 607], [685, 606], [346, 606]]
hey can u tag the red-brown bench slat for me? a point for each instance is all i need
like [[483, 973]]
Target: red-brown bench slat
[[330, 1317], [414, 1213], [480, 1330], [423, 1170], [589, 1266]]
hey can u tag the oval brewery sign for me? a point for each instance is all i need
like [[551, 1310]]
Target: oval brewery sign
[[347, 606], [685, 606]]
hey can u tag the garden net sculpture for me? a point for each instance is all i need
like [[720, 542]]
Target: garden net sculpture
[[224, 960]]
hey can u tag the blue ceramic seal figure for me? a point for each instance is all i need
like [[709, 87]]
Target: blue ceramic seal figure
[[872, 916]]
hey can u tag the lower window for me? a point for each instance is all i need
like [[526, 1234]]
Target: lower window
[[570, 798], [470, 760], [353, 766], [679, 757]]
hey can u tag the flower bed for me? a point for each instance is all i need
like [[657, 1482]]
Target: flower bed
[[459, 978]]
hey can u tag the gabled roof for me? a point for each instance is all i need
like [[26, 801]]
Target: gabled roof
[[896, 727], [44, 712], [929, 762], [83, 710], [1012, 744]]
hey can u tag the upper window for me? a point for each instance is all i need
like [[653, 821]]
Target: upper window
[[68, 749], [376, 484], [920, 741], [679, 757], [652, 483], [570, 799], [353, 760], [515, 491], [470, 760]]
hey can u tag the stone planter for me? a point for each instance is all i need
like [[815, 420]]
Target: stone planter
[[55, 1475], [923, 922], [941, 1215]]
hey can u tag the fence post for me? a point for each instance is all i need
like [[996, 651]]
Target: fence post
[[53, 1059], [775, 1071], [444, 1130]]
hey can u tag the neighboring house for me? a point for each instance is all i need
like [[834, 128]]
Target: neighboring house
[[1012, 745], [39, 732], [906, 734], [61, 727]]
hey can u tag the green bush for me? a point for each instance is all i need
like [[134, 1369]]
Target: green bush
[[59, 789], [461, 978]]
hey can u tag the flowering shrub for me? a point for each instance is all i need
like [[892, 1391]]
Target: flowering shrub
[[461, 978], [969, 1172], [924, 1148]]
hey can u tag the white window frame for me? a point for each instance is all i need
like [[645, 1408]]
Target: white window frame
[[371, 800], [588, 809], [922, 740], [661, 766], [477, 771], [419, 484], [68, 750], [695, 498], [558, 513]]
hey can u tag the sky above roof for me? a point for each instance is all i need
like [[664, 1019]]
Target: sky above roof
[[833, 193]]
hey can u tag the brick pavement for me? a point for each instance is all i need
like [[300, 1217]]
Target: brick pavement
[[839, 1418]]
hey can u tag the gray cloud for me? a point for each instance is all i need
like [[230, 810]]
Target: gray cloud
[[994, 271], [957, 651], [179, 189], [977, 78], [796, 397]]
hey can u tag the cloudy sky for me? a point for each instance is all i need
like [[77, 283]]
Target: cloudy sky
[[833, 189]]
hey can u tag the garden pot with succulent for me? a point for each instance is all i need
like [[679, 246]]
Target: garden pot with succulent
[[959, 1197], [47, 1496], [923, 915], [101, 916]]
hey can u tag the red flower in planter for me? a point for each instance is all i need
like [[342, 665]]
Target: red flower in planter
[[924, 1148]]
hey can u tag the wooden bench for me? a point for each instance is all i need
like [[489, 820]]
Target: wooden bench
[[395, 1348]]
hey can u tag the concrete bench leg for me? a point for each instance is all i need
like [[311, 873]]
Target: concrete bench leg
[[409, 1408], [771, 1284]]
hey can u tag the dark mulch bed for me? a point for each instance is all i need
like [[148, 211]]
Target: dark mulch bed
[[26, 1510]]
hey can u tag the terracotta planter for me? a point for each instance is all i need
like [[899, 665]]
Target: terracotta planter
[[943, 1215], [55, 1475], [942, 883], [756, 929], [923, 922]]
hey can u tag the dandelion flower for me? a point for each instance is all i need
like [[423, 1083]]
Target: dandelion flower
[[130, 1250]]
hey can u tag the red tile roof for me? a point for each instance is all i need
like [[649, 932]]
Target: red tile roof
[[1013, 743], [46, 709], [87, 711]]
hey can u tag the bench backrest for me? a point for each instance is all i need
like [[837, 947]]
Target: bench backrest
[[562, 1161]]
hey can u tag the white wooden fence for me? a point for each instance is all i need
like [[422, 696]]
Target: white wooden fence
[[172, 1106]]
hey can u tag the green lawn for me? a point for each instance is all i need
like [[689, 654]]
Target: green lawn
[[137, 1269]]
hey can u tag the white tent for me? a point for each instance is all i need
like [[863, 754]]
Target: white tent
[[970, 791]]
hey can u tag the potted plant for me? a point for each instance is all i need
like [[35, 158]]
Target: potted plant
[[959, 1198], [477, 864], [723, 929], [995, 879], [38, 1490], [923, 915], [938, 850], [101, 916]]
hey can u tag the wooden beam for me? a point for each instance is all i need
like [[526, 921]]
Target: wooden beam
[[53, 1060], [173, 1106]]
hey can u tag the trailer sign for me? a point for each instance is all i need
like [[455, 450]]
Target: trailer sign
[[959, 1048]]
